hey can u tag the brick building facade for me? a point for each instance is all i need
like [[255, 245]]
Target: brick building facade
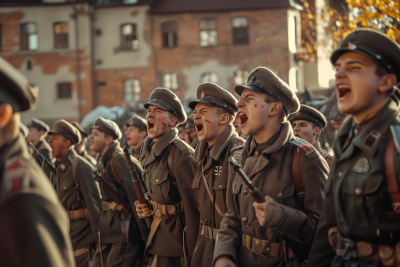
[[121, 52]]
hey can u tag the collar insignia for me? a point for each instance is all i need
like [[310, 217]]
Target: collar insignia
[[361, 166], [371, 139], [203, 95]]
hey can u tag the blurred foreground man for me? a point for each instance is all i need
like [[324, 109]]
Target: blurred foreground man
[[214, 111], [288, 171], [34, 227], [167, 173], [37, 134], [359, 224], [308, 124], [120, 236], [80, 148], [76, 190], [135, 134]]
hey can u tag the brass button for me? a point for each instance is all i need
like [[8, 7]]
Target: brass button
[[356, 131], [257, 242], [245, 191], [279, 195], [65, 188], [220, 186], [244, 219], [157, 180], [340, 174], [358, 191]]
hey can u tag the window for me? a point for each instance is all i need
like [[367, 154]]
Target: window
[[169, 34], [129, 39], [240, 31], [132, 90], [170, 80], [61, 35], [241, 77], [209, 77], [293, 40], [208, 33], [28, 36], [64, 90]]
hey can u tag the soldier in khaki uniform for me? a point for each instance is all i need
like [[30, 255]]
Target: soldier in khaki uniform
[[214, 111], [80, 148], [287, 170], [76, 190], [37, 133], [122, 238], [191, 131], [135, 134], [308, 124], [167, 173], [34, 227], [359, 224]]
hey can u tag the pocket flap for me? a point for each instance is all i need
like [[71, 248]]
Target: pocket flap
[[278, 190], [236, 184], [220, 183], [363, 184], [158, 177]]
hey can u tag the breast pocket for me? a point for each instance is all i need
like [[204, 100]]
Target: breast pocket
[[281, 192], [236, 184], [160, 185]]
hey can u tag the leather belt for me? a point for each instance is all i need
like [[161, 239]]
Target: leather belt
[[209, 232], [266, 248], [78, 214], [112, 206], [80, 251], [161, 210]]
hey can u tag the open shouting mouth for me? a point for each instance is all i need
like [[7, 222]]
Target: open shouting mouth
[[344, 91], [243, 118], [199, 127], [150, 125]]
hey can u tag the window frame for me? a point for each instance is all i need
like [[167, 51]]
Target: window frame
[[54, 35], [171, 80], [246, 27], [132, 94], [20, 37], [122, 41], [208, 32], [58, 91], [174, 36], [209, 73]]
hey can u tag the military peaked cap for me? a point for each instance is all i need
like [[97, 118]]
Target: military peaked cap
[[80, 129], [107, 126], [67, 130], [311, 114], [167, 100], [138, 122], [38, 124], [213, 95], [263, 80], [189, 121], [374, 44]]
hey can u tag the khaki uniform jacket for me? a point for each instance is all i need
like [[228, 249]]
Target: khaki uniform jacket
[[325, 155], [357, 199], [83, 231], [214, 166], [271, 173], [89, 158], [110, 220], [168, 239], [34, 227], [194, 143]]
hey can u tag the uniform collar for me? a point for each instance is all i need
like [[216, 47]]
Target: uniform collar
[[370, 131], [108, 153], [161, 144], [14, 148], [220, 144], [61, 166]]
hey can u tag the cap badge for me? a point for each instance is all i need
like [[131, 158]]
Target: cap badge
[[254, 79], [298, 114], [352, 46], [203, 95], [154, 99]]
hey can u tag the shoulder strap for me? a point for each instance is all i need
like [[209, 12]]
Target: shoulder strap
[[74, 160], [296, 176], [170, 158], [210, 195], [113, 169], [390, 175]]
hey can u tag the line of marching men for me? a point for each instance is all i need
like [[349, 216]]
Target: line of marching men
[[317, 210]]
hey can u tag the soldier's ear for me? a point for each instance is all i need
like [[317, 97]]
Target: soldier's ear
[[6, 113], [173, 121], [224, 119], [387, 83], [275, 109]]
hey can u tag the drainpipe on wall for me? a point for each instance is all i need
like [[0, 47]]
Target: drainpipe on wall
[[78, 66], [95, 99]]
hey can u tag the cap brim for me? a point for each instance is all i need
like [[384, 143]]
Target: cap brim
[[147, 104], [240, 88], [63, 134], [193, 104], [339, 52]]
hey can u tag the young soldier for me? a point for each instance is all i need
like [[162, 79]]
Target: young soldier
[[37, 133], [136, 132], [122, 243], [167, 173], [251, 237], [214, 112], [34, 228], [80, 148], [76, 190], [359, 224], [308, 124], [191, 131]]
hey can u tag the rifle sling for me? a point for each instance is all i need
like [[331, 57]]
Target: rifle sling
[[210, 195]]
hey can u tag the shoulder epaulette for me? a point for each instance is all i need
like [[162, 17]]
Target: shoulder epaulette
[[304, 145], [395, 129], [237, 146], [72, 158], [15, 175], [181, 145]]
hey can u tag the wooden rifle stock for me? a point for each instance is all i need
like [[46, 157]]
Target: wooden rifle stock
[[136, 184]]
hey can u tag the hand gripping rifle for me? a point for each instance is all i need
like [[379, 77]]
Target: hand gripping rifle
[[136, 183], [300, 250], [46, 161]]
